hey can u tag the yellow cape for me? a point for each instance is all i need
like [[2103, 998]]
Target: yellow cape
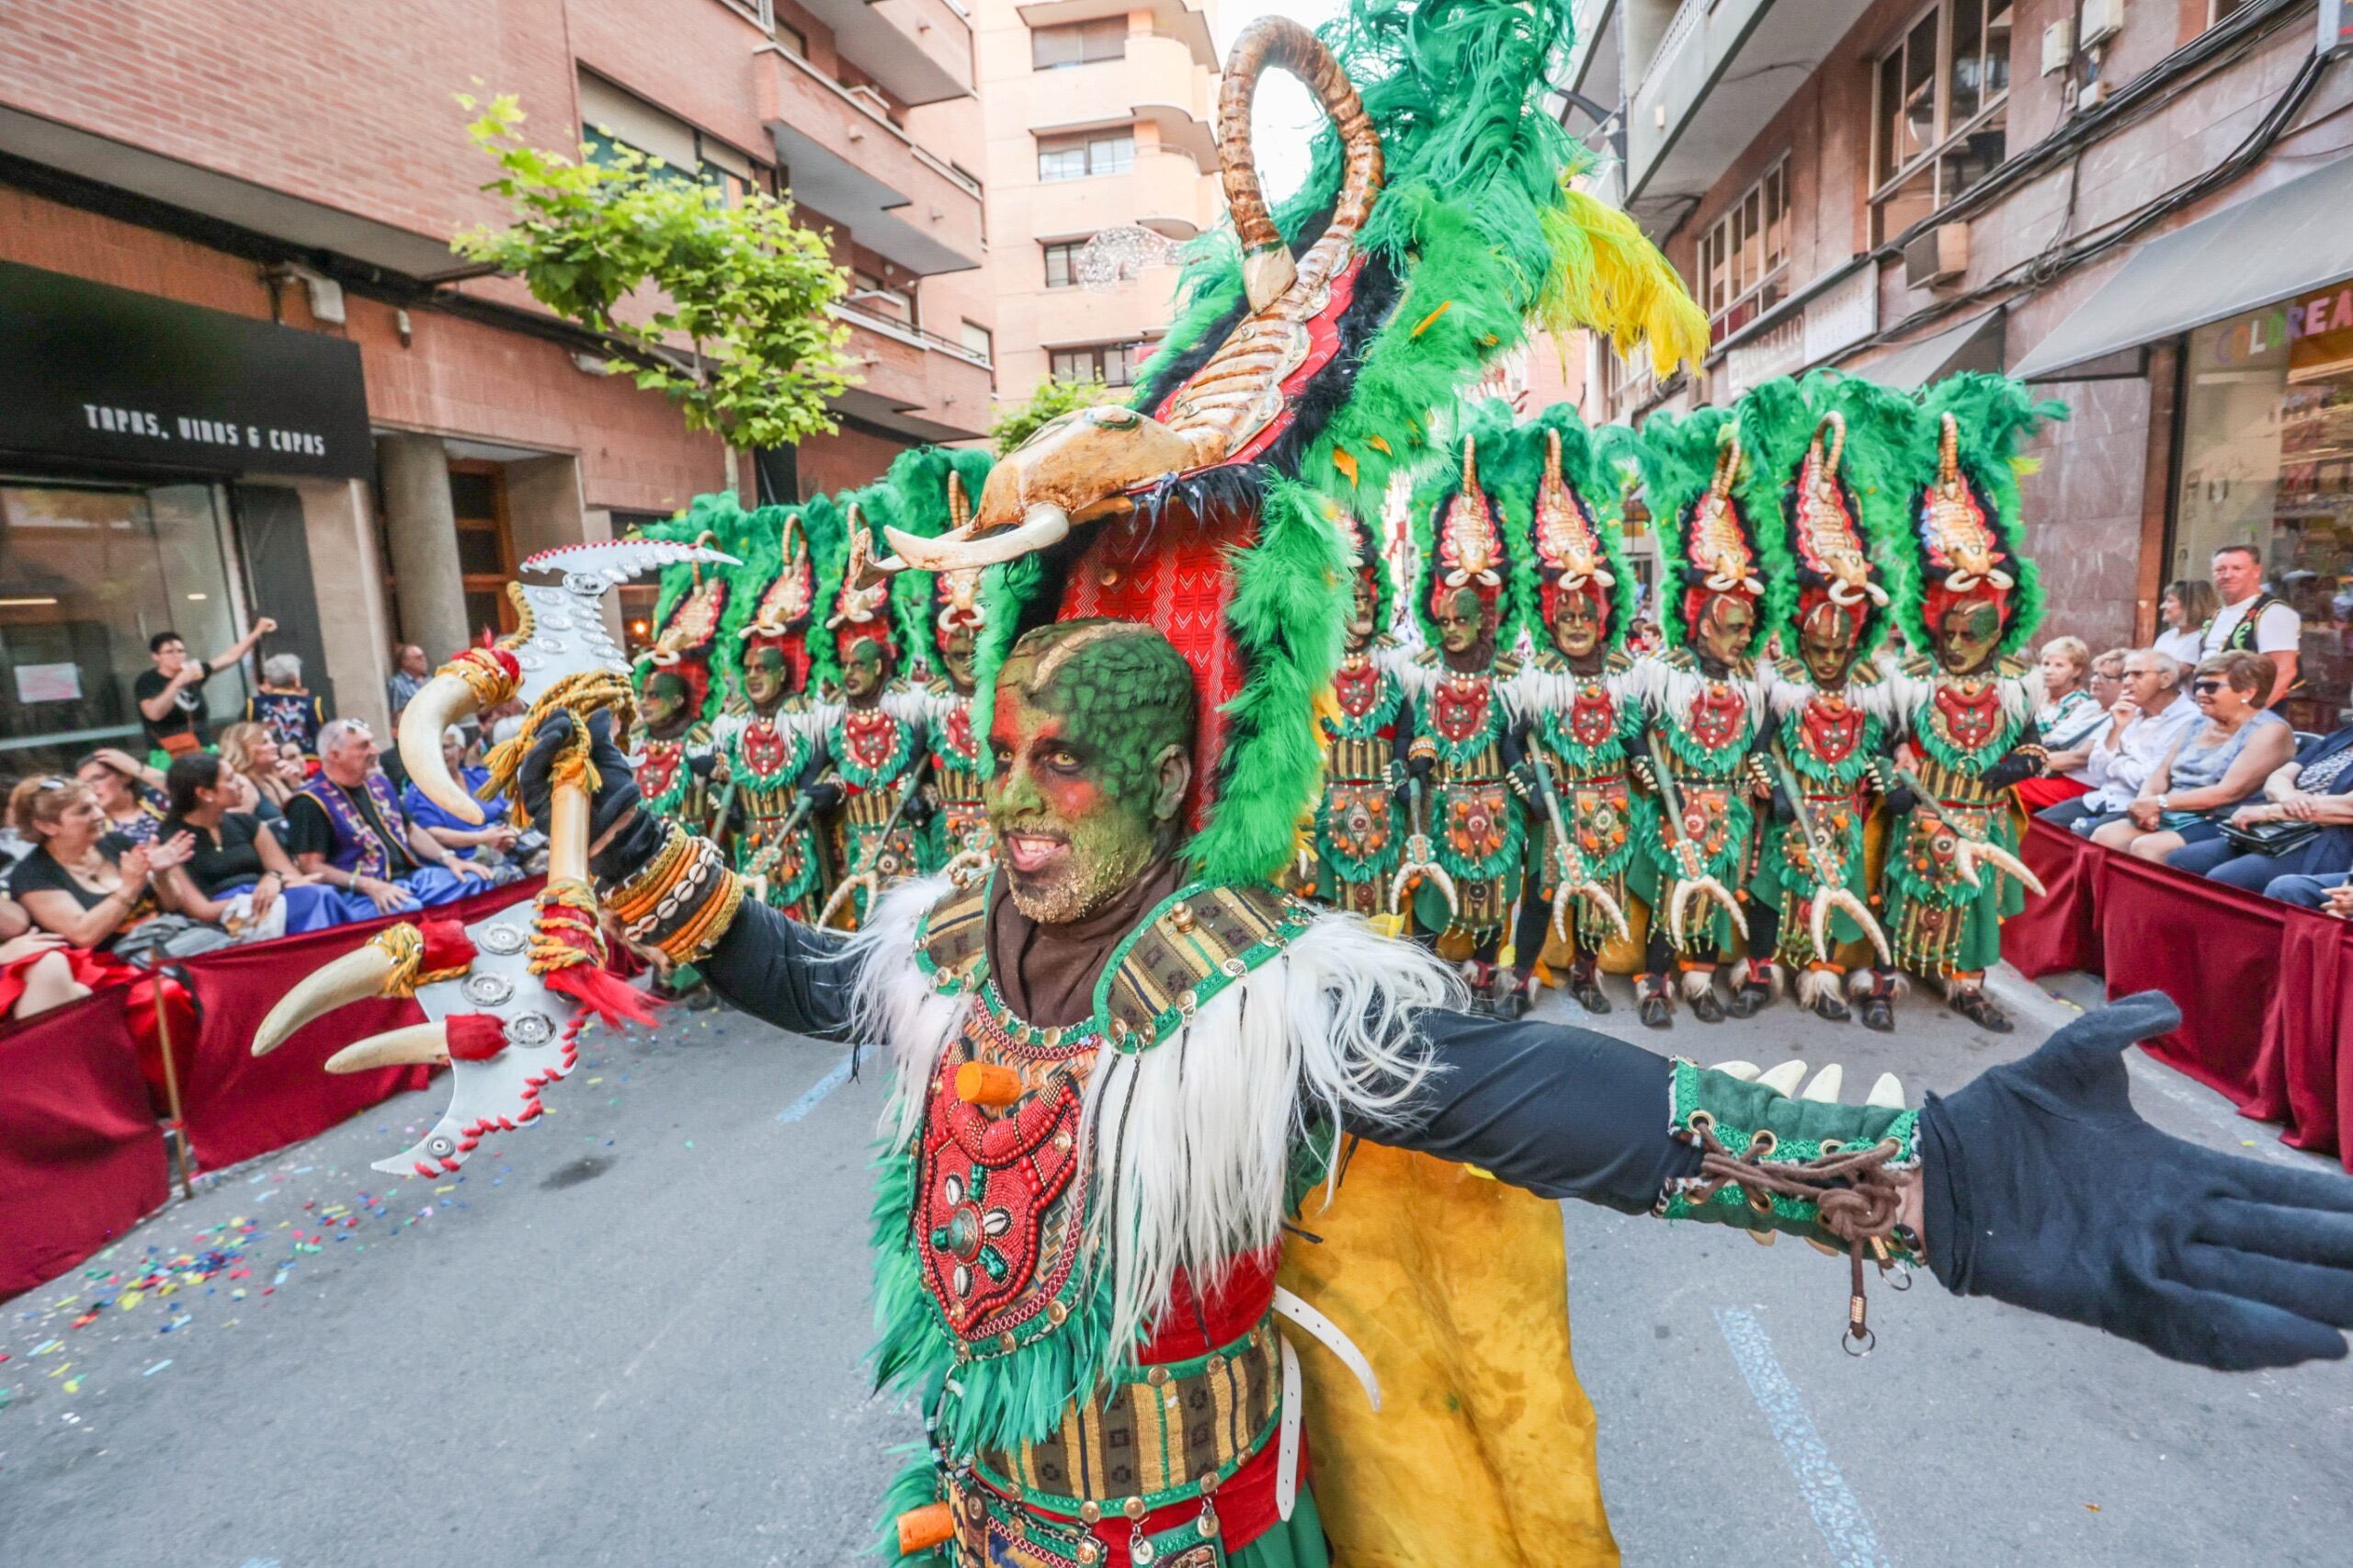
[[1456, 1288]]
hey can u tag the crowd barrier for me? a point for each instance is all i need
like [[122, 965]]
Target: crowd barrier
[[81, 1156], [2265, 989]]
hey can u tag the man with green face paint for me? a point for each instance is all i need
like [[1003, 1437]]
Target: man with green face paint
[[674, 735], [768, 736], [1969, 699], [1358, 837]]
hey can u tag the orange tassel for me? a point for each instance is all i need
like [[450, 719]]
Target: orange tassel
[[1379, 445], [986, 1083], [922, 1528], [1345, 462], [1424, 324]]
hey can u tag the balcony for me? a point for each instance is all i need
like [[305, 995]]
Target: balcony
[[1162, 190], [920, 51], [849, 162], [914, 382], [1720, 70], [1182, 21]]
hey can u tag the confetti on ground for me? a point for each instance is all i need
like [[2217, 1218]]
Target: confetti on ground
[[156, 1367]]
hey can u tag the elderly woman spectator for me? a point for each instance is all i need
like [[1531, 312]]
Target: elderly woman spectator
[[2071, 717], [489, 845], [2215, 767], [251, 751], [2185, 609], [2302, 829], [291, 713], [83, 881], [237, 876], [128, 790]]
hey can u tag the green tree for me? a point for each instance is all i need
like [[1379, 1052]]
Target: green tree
[[725, 304], [1050, 400]]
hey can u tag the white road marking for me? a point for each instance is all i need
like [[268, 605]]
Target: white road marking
[[1849, 1536]]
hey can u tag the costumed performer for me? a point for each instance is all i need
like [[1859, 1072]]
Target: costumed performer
[[1724, 589], [933, 485], [1840, 448], [1358, 837], [1970, 599], [1566, 546]]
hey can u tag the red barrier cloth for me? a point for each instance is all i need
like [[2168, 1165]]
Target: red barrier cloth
[[2211, 948], [2036, 793], [2059, 931], [81, 1158], [238, 1105], [2305, 1076]]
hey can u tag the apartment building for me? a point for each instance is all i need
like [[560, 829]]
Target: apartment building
[[1099, 115], [242, 374], [2136, 205]]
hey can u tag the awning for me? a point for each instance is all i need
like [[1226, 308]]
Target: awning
[[2290, 239], [1975, 345]]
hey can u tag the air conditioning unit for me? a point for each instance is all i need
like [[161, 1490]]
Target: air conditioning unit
[[2091, 95], [1936, 255], [2058, 46], [2103, 19]]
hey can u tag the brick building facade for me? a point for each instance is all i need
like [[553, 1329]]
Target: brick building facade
[[178, 200], [1905, 189]]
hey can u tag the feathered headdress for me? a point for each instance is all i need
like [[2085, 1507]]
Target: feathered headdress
[[863, 607], [1362, 546], [1719, 516], [1458, 533], [1966, 537], [775, 595], [695, 599], [1562, 487], [933, 487], [1839, 448]]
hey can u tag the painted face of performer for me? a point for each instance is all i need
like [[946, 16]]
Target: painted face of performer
[[865, 667], [1577, 627], [1967, 635], [1363, 620], [768, 676], [1462, 626], [958, 649], [664, 701], [1091, 751], [1826, 645], [1727, 626]]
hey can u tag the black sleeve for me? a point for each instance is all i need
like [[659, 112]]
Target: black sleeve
[[36, 873], [783, 972], [308, 832], [150, 684], [1564, 1112]]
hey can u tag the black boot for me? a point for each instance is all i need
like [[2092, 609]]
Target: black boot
[[1972, 1003], [1877, 997], [1755, 988], [1509, 997], [1480, 978], [1653, 1001], [1585, 985], [1819, 989], [1706, 1006]]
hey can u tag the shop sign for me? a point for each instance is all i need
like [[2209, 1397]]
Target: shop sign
[[89, 371], [2263, 336]]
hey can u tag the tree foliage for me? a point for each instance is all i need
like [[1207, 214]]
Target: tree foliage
[[1050, 400], [726, 303]]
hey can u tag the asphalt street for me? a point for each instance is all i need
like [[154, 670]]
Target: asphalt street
[[632, 1335]]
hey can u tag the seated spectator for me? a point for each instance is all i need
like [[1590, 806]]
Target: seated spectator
[[36, 967], [2215, 767], [489, 846], [128, 790], [2307, 808], [2105, 682], [237, 876], [82, 882], [290, 713], [346, 828], [251, 750], [2071, 717], [2184, 611], [2143, 724]]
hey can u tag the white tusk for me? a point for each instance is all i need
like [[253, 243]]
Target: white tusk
[[568, 835], [357, 975], [1044, 524], [1743, 1071], [1764, 1238], [1826, 1084], [1783, 1080], [444, 701], [1887, 1093], [411, 1045]]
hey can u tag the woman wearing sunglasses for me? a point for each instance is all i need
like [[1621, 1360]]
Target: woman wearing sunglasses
[[2215, 768]]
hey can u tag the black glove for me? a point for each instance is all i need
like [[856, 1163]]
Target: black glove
[[2046, 1189], [2019, 764], [1900, 800], [1783, 810], [823, 796], [1645, 774], [616, 796], [1421, 767], [919, 810]]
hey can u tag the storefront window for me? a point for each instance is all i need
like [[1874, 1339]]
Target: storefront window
[[86, 577], [2267, 460]]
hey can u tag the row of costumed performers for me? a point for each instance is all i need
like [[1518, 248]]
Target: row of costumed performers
[[1779, 788], [806, 711]]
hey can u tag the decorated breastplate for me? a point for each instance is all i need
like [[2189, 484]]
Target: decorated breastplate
[[870, 746], [1718, 716], [1465, 718], [1965, 723], [662, 774], [768, 757], [1002, 1192], [955, 752]]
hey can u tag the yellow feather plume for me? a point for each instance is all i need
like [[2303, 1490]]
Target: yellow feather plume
[[1608, 277]]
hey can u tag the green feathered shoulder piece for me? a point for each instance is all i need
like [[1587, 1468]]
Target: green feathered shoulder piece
[[1490, 426]]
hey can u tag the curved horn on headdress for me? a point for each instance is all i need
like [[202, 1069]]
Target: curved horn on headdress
[[1042, 525], [475, 679], [358, 975], [1267, 268]]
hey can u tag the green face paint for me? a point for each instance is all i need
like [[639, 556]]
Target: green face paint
[[1091, 744], [766, 676], [664, 701], [864, 669]]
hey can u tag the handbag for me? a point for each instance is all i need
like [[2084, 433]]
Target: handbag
[[2273, 838]]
